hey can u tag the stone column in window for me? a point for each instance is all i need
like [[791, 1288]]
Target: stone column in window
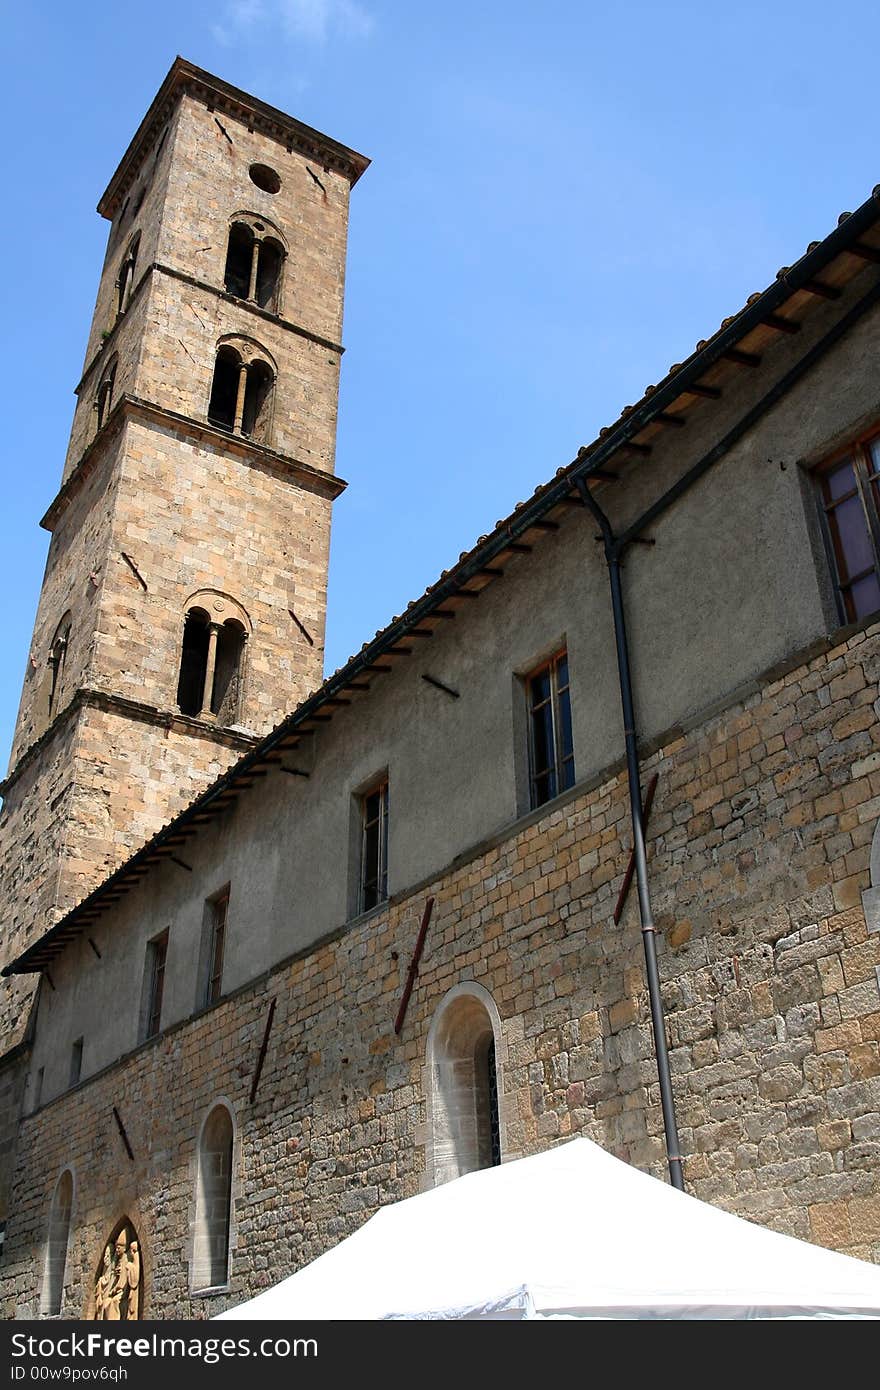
[[239, 400], [213, 629], [255, 261], [125, 284]]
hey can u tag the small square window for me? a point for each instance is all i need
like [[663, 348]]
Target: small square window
[[551, 755], [850, 500], [374, 847]]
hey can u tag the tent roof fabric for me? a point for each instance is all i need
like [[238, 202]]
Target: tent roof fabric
[[569, 1233]]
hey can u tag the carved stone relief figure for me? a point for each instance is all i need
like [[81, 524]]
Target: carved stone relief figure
[[118, 1285]]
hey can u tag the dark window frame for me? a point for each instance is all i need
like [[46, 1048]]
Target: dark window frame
[[157, 950], [866, 477], [76, 1057], [218, 907], [557, 775], [373, 867]]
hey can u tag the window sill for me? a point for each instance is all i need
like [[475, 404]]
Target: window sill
[[368, 912], [845, 631], [248, 303], [234, 433], [533, 808]]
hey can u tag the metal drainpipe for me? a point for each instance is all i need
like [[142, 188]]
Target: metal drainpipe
[[667, 1101]]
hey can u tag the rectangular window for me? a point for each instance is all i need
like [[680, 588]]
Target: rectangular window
[[551, 756], [217, 913], [848, 486], [76, 1061], [38, 1087], [157, 951], [374, 847]]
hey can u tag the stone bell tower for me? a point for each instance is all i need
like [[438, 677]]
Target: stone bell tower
[[182, 609]]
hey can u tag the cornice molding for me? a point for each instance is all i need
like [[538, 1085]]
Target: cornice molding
[[156, 267], [87, 697], [300, 474], [185, 78]]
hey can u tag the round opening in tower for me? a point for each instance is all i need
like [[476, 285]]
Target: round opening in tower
[[265, 178]]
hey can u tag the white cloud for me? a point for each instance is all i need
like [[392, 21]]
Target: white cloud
[[312, 21], [246, 12]]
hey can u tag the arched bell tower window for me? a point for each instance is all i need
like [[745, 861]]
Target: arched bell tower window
[[56, 663], [257, 401], [104, 397], [213, 1223], [125, 279], [463, 1068], [57, 1238], [242, 390], [255, 256], [239, 259], [211, 679]]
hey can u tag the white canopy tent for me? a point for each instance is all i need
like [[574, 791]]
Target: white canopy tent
[[570, 1233]]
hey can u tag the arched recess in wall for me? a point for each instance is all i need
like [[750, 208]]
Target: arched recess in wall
[[464, 1075], [243, 388], [212, 1228], [104, 394], [57, 1238], [50, 690], [119, 1278], [57, 661], [871, 896], [213, 648], [255, 254], [125, 278]]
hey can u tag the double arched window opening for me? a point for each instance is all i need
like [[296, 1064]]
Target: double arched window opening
[[242, 389], [255, 256], [56, 662], [104, 396], [125, 279], [212, 655]]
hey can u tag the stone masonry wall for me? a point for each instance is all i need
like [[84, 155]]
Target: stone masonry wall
[[758, 852], [155, 511], [105, 783], [33, 822], [142, 214], [72, 581], [191, 516], [165, 341], [13, 1077]]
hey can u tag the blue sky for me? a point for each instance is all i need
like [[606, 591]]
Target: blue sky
[[563, 199]]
